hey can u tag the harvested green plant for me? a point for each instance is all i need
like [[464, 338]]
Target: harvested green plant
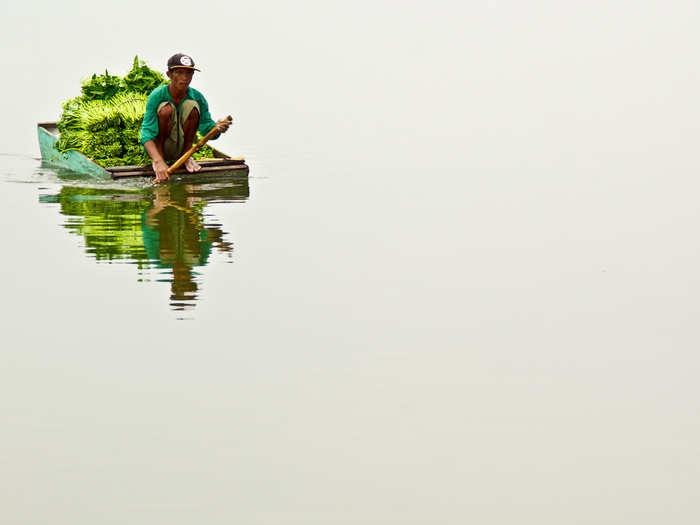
[[104, 123], [101, 87], [106, 131], [142, 79]]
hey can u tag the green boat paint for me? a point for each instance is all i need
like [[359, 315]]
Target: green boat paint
[[72, 160]]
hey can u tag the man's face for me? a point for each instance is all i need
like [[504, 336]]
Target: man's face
[[181, 77]]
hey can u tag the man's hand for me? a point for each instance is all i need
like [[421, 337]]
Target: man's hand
[[223, 124], [161, 170]]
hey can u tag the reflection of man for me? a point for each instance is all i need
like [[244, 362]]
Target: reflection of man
[[174, 236]]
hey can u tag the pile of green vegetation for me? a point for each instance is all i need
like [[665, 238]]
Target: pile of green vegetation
[[104, 123]]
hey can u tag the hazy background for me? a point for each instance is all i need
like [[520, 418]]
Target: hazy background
[[464, 287]]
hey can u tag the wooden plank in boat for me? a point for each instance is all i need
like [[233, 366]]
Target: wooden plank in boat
[[242, 168], [203, 162]]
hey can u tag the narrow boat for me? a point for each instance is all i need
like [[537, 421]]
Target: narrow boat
[[221, 167]]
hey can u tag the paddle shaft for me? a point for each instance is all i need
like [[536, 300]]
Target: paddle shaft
[[179, 162]]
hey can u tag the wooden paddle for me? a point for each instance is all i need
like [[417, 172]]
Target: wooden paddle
[[179, 162]]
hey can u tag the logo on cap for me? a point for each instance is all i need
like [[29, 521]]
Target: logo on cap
[[186, 61]]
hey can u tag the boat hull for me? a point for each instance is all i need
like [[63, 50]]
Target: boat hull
[[220, 168], [72, 160]]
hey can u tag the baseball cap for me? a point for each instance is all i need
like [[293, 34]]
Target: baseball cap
[[180, 60]]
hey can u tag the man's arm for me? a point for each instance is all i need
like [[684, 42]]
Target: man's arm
[[159, 165], [206, 123], [149, 131]]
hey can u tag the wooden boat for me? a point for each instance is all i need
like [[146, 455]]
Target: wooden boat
[[221, 167]]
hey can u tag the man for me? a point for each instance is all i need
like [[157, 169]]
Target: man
[[174, 113]]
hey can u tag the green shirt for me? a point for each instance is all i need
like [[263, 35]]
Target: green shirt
[[149, 126]]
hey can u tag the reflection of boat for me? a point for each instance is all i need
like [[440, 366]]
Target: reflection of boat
[[162, 229], [222, 167]]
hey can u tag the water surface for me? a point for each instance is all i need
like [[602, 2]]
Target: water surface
[[459, 286], [165, 230]]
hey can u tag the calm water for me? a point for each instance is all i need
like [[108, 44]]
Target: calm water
[[460, 284], [167, 231]]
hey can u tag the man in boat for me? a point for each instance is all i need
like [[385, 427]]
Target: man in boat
[[174, 113]]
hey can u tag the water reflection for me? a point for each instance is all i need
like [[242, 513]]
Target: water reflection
[[161, 229]]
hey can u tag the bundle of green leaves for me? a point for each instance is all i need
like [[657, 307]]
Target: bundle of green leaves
[[141, 78], [104, 123], [101, 87], [106, 131]]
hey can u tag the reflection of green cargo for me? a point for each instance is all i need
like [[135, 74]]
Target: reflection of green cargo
[[109, 222]]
